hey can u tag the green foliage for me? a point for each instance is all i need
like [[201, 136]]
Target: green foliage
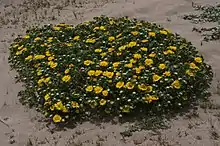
[[107, 65]]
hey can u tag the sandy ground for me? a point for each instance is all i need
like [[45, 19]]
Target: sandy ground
[[21, 126]]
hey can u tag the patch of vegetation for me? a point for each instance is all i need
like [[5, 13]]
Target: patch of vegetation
[[208, 14], [108, 66]]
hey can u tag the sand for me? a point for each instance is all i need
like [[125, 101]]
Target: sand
[[21, 126]]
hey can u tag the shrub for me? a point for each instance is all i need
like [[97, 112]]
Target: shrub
[[108, 65], [208, 13]]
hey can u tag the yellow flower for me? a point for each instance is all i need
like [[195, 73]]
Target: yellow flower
[[47, 53], [59, 105], [67, 71], [168, 52], [30, 57], [26, 37], [129, 85], [76, 38], [142, 87], [105, 92], [149, 99], [52, 108], [111, 38], [167, 73], [69, 44], [156, 78], [52, 64], [103, 54], [152, 55], [36, 65], [176, 84], [129, 65], [189, 72], [110, 49], [119, 53], [56, 28], [162, 66], [37, 39], [57, 118], [18, 52], [75, 104], [46, 97], [198, 59], [120, 84], [149, 89], [135, 33], [142, 67], [132, 44], [116, 64], [137, 56], [102, 102], [65, 110], [87, 62], [90, 41], [91, 72], [98, 50], [89, 88], [40, 81], [163, 32], [47, 79], [144, 49], [98, 72], [71, 65], [102, 28], [66, 78], [37, 57], [144, 41], [96, 28], [98, 89], [119, 35], [132, 61], [138, 70], [39, 73], [172, 48], [121, 48], [118, 74], [110, 74], [148, 62], [126, 109], [103, 63], [50, 58], [152, 34], [193, 66]]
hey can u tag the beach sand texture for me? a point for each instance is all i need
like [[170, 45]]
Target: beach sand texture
[[21, 126]]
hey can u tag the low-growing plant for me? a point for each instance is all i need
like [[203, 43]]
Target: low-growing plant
[[209, 13], [107, 65]]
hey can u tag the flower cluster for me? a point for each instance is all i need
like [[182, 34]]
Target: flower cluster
[[110, 65]]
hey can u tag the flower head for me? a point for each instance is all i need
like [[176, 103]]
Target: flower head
[[120, 84], [66, 78], [156, 78], [148, 62], [89, 88], [176, 84], [102, 102], [103, 63], [57, 118], [98, 89], [129, 85], [137, 56], [198, 59], [162, 66], [132, 44]]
